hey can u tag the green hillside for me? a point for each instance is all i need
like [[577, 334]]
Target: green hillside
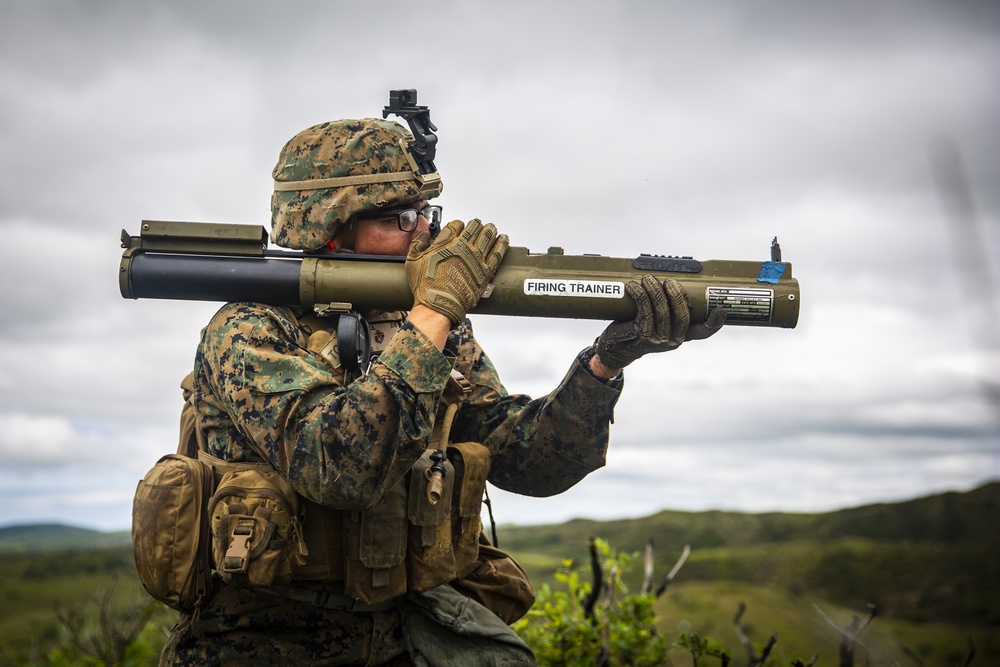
[[57, 537], [930, 565], [930, 559], [952, 518]]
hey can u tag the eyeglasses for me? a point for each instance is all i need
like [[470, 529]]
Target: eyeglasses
[[407, 218]]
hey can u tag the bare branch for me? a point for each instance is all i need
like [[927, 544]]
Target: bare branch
[[662, 588], [680, 562], [850, 635], [609, 587], [871, 615], [972, 652], [766, 651], [911, 655], [847, 639], [753, 660], [738, 627], [115, 630], [595, 591], [605, 655], [647, 580]]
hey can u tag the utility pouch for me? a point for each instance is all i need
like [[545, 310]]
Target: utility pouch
[[375, 548], [430, 558], [256, 528], [443, 627], [170, 538], [498, 582], [472, 465]]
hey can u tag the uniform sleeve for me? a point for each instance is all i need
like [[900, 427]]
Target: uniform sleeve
[[538, 447], [341, 446]]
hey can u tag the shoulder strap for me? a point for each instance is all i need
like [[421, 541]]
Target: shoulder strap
[[455, 391], [190, 440]]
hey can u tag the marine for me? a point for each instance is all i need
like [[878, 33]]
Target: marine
[[346, 522]]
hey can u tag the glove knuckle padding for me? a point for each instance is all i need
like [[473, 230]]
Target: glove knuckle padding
[[485, 240], [681, 314], [471, 229], [449, 232], [450, 275], [497, 253], [643, 308], [661, 322], [660, 307]]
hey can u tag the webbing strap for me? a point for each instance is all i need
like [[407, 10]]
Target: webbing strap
[[362, 179], [456, 390], [327, 599], [347, 238]]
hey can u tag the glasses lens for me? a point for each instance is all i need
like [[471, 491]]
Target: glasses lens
[[433, 215], [407, 220]]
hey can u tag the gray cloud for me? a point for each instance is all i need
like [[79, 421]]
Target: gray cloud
[[615, 128]]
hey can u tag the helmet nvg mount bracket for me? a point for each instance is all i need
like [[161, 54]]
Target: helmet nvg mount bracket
[[403, 103]]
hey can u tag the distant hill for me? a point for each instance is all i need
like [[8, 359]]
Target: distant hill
[[32, 538], [950, 518], [933, 558]]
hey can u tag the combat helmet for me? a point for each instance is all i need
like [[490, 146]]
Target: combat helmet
[[330, 174]]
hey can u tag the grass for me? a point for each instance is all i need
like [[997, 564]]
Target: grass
[[808, 626], [33, 587]]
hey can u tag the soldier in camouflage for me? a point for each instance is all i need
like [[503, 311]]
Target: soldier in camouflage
[[268, 386]]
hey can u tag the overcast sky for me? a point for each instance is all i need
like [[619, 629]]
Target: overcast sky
[[700, 129]]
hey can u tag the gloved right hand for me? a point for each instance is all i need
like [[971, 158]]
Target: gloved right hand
[[450, 274]]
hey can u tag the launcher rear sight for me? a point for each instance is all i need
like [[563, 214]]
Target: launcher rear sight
[[403, 103]]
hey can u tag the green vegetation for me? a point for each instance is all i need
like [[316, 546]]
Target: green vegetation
[[934, 559], [38, 588], [931, 567], [808, 626], [573, 625]]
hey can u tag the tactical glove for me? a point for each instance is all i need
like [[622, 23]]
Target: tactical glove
[[662, 323], [450, 274]]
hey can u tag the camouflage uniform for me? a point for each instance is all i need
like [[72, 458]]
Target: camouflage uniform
[[260, 394], [259, 390]]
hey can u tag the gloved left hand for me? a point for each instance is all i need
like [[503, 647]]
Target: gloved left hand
[[662, 322]]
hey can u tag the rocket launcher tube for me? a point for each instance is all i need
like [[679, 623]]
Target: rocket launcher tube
[[216, 262]]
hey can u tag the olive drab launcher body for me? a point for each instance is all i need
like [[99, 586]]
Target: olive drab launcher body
[[231, 262]]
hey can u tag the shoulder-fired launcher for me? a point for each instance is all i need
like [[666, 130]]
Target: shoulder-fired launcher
[[230, 262]]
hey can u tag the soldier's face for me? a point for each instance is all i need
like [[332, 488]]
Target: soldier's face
[[382, 236]]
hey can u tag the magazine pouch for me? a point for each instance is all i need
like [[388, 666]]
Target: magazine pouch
[[472, 464], [375, 548], [430, 559]]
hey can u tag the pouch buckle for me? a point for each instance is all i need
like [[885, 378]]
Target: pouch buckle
[[237, 557]]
